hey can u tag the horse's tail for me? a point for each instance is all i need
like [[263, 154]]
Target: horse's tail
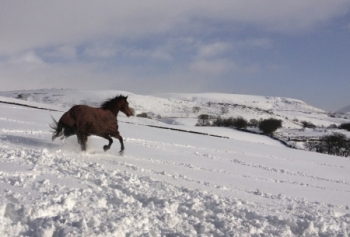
[[57, 129], [61, 129]]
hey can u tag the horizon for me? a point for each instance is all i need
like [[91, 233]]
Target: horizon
[[296, 49], [179, 93], [246, 97]]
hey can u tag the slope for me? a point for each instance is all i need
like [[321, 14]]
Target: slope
[[167, 183], [180, 106]]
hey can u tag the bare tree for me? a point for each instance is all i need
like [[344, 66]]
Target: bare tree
[[335, 144], [196, 109], [224, 110], [203, 120]]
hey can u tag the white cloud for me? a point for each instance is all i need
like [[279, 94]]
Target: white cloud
[[214, 49], [64, 51], [220, 49], [101, 44], [109, 50], [213, 66], [156, 54], [72, 75], [256, 43], [31, 24], [101, 50], [29, 58]]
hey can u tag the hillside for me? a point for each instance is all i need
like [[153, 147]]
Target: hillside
[[180, 106], [167, 183], [181, 110]]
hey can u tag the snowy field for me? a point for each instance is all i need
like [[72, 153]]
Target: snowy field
[[167, 183]]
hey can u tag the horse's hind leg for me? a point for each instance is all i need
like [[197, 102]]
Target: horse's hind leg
[[82, 139], [107, 147]]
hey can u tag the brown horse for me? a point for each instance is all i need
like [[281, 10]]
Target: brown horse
[[83, 121]]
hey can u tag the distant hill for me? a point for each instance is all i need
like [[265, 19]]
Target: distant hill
[[177, 108], [345, 110], [181, 111]]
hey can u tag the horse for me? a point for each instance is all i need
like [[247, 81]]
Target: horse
[[83, 121]]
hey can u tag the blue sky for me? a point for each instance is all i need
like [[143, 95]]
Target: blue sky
[[298, 49]]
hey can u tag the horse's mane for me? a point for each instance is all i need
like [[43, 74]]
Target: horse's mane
[[109, 102]]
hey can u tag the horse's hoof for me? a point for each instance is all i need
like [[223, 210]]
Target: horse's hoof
[[105, 148]]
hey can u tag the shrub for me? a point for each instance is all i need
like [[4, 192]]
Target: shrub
[[335, 144], [222, 122], [269, 126], [332, 126], [253, 123], [196, 109], [203, 120], [307, 124], [240, 123], [218, 122], [345, 126], [143, 115], [23, 96], [224, 110]]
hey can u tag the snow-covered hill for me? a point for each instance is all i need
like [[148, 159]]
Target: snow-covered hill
[[168, 182], [182, 110], [180, 107], [345, 110]]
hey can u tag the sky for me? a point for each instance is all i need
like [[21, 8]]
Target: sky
[[297, 49]]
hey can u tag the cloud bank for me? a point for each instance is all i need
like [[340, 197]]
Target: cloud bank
[[105, 44]]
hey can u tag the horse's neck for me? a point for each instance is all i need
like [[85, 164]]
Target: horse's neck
[[115, 109]]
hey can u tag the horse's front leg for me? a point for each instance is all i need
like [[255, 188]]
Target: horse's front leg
[[121, 143], [107, 147], [117, 135]]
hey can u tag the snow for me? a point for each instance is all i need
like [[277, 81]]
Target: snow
[[262, 102], [168, 182]]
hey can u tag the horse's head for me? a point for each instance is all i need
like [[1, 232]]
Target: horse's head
[[125, 107], [116, 104]]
